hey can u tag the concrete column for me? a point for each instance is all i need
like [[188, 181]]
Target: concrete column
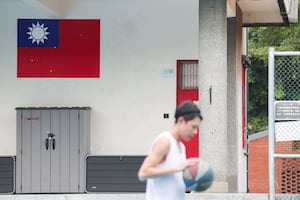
[[232, 98], [236, 174], [213, 89]]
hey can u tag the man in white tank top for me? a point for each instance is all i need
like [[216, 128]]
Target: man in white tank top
[[164, 165]]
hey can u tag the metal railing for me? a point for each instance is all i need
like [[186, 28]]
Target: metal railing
[[284, 125]]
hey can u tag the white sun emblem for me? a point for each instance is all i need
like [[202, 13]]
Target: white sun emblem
[[38, 33]]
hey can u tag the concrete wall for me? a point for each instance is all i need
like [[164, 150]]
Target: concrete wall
[[140, 40]]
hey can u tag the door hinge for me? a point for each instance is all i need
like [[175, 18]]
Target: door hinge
[[78, 187], [78, 151]]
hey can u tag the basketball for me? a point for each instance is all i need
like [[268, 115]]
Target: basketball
[[198, 177]]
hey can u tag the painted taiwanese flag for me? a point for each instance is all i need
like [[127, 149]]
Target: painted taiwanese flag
[[58, 48]]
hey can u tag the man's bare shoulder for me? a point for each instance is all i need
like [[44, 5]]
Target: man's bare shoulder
[[160, 149]]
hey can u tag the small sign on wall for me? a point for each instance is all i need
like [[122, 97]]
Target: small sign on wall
[[167, 73]]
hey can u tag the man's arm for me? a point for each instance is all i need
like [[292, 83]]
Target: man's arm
[[159, 152]]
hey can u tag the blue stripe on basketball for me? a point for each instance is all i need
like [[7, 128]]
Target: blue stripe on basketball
[[208, 176], [205, 181], [194, 187], [203, 186], [189, 182]]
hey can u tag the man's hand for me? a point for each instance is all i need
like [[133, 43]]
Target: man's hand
[[187, 163]]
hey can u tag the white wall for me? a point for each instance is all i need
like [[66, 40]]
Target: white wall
[[139, 39]]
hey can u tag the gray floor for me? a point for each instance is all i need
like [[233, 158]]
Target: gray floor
[[131, 196]]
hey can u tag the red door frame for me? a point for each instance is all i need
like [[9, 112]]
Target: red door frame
[[192, 146], [244, 108]]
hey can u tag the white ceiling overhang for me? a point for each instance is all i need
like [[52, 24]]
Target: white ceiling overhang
[[268, 12], [255, 12], [55, 8]]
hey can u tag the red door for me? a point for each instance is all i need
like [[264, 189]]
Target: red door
[[187, 89]]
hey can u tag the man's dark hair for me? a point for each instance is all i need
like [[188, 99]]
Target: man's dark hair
[[188, 110]]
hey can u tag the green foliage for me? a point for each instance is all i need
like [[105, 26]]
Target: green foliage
[[258, 97], [279, 91], [260, 40]]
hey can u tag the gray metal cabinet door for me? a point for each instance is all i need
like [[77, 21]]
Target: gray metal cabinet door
[[64, 151], [48, 151], [44, 166], [33, 172]]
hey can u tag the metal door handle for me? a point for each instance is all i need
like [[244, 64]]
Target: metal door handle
[[50, 135], [53, 144], [47, 144], [49, 139]]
